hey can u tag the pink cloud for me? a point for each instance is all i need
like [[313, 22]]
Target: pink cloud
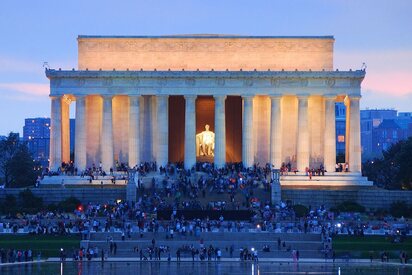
[[397, 83], [388, 72], [27, 89]]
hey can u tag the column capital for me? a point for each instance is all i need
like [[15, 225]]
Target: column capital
[[80, 97], [275, 97], [354, 97], [221, 97], [330, 97], [134, 99], [248, 97], [303, 97], [190, 97], [107, 97]]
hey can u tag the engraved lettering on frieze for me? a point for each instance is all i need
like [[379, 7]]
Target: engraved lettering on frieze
[[190, 81], [154, 46], [290, 82]]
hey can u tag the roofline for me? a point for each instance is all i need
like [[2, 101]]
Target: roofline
[[50, 73], [207, 36]]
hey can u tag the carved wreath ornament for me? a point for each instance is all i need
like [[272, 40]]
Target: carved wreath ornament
[[330, 82], [190, 81]]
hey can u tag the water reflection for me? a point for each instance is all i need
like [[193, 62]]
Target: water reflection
[[203, 268]]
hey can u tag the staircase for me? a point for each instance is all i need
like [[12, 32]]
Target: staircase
[[329, 179], [309, 245]]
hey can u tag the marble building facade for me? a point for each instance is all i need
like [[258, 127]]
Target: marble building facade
[[145, 98]]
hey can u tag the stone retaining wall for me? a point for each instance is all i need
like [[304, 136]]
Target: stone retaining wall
[[370, 198], [85, 195]]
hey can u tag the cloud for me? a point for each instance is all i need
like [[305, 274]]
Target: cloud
[[27, 91], [388, 72]]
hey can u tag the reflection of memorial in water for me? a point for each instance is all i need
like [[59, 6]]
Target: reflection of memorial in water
[[205, 145]]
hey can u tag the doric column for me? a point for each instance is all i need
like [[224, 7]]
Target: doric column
[[355, 161], [329, 149], [275, 132], [55, 133], [80, 134], [302, 150], [134, 126], [190, 131], [65, 106], [220, 131], [247, 131], [162, 130], [106, 146]]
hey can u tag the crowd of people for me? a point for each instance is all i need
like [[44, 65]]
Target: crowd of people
[[15, 255]]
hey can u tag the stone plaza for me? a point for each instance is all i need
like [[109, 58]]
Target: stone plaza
[[262, 99]]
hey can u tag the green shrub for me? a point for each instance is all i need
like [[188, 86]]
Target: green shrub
[[300, 210], [9, 205], [399, 209], [29, 203], [69, 204]]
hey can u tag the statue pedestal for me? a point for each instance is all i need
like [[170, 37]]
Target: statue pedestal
[[205, 159]]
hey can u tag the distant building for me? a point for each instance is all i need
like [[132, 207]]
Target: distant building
[[382, 127], [36, 133], [387, 133]]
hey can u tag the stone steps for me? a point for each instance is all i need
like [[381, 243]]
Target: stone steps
[[214, 236]]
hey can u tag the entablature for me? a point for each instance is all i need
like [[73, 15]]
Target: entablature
[[204, 82]]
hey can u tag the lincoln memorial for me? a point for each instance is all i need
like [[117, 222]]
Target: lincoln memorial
[[215, 98]]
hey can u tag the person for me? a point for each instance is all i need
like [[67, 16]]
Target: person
[[102, 255], [232, 248], [255, 255], [178, 255]]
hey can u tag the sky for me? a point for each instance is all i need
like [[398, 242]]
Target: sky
[[377, 32]]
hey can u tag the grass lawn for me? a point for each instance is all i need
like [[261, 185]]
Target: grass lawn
[[362, 247], [48, 246]]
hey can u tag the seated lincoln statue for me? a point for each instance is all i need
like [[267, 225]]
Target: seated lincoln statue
[[205, 142]]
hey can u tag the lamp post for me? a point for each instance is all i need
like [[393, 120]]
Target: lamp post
[[275, 187]]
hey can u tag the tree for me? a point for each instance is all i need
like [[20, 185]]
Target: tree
[[29, 203], [16, 163], [393, 170]]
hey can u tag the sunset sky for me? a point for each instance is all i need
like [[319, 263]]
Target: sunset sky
[[376, 32]]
